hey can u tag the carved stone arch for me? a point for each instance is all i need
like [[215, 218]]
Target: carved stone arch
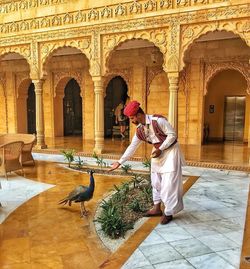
[[212, 69], [22, 81], [125, 74], [110, 42], [151, 73], [47, 49], [189, 33], [22, 50], [61, 79]]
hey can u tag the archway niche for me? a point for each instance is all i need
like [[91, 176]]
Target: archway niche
[[227, 106]]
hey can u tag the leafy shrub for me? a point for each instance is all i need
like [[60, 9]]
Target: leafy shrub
[[68, 155], [135, 206], [111, 221], [147, 163], [126, 168]]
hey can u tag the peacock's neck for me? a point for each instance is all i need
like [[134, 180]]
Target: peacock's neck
[[92, 183]]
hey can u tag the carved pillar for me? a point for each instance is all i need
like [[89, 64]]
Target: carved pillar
[[39, 114], [99, 114], [173, 99]]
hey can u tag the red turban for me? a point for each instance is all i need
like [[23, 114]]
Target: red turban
[[131, 108]]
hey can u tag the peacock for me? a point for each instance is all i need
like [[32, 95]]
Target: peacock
[[81, 194]]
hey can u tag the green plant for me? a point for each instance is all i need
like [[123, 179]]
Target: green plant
[[99, 160], [68, 155], [126, 168], [136, 179], [111, 221], [79, 163], [135, 206], [147, 193], [147, 163]]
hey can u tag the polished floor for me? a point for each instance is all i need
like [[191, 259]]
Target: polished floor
[[41, 234], [215, 153]]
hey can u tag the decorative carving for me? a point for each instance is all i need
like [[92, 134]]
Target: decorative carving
[[83, 44], [22, 49], [151, 73], [80, 17], [211, 69], [19, 78], [166, 4], [125, 73], [173, 63], [157, 36], [58, 76], [135, 7], [191, 32], [106, 12], [14, 6], [120, 10], [150, 5], [93, 15]]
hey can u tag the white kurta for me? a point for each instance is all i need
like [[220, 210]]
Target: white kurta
[[166, 171]]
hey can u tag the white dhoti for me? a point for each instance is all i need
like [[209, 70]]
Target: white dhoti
[[166, 180], [167, 188]]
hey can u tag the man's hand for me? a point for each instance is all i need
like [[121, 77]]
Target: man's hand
[[156, 153], [114, 166]]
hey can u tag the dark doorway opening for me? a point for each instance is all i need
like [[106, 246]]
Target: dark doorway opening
[[72, 109], [31, 109], [116, 92]]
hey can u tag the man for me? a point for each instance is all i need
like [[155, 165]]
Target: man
[[166, 162]]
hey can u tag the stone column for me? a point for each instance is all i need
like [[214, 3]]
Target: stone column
[[39, 115], [173, 100], [99, 114]]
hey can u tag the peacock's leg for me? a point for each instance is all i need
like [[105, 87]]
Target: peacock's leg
[[83, 210]]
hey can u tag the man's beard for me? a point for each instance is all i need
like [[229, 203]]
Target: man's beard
[[135, 122]]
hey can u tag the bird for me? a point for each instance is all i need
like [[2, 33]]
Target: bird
[[81, 194]]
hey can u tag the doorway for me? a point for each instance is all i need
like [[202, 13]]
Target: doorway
[[31, 109], [72, 109], [234, 120], [116, 92]]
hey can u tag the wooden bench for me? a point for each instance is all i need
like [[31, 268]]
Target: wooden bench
[[28, 139]]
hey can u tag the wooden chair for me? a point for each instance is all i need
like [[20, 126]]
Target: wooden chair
[[10, 155]]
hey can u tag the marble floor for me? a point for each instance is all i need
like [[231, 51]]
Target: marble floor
[[17, 190], [207, 234]]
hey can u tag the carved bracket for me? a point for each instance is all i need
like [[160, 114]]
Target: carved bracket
[[151, 73]]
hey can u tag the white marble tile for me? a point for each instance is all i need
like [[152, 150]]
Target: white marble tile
[[179, 264], [210, 261], [236, 237], [137, 260], [17, 190], [199, 229], [190, 247], [153, 238], [173, 234], [232, 256], [229, 212], [205, 215], [160, 253], [217, 242], [224, 225]]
